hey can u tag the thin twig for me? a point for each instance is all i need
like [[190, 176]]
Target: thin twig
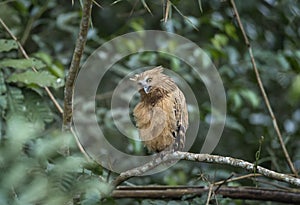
[[33, 68], [97, 4], [264, 94], [185, 17], [221, 184], [80, 145], [209, 194], [138, 171], [74, 68], [146, 7], [237, 178], [167, 5]]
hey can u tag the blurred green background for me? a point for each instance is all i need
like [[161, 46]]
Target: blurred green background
[[33, 171]]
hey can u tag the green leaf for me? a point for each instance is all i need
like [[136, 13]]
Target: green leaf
[[2, 84], [54, 67], [175, 64], [3, 97], [219, 41], [237, 100], [251, 97], [7, 45], [294, 91], [57, 69], [231, 31], [36, 190], [15, 176], [46, 58], [42, 79], [64, 21], [283, 62], [36, 108], [15, 100], [26, 115], [137, 25], [22, 63], [20, 129], [233, 124]]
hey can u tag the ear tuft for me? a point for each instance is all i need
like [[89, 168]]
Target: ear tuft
[[134, 78], [158, 69]]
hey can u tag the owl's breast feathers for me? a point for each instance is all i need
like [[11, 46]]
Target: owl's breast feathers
[[161, 117]]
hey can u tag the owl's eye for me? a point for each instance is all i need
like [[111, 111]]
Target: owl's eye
[[149, 80]]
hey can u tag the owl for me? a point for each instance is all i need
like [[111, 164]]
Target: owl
[[161, 116]]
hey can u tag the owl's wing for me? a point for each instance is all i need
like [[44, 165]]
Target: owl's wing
[[181, 116], [150, 122], [157, 123]]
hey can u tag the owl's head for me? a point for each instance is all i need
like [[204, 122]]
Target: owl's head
[[150, 79]]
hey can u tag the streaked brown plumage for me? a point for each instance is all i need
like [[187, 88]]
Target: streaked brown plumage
[[161, 116]]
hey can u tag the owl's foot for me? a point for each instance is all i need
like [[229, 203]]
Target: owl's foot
[[162, 154]]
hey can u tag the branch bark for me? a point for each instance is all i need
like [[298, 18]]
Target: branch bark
[[138, 171], [177, 192], [74, 68], [261, 87]]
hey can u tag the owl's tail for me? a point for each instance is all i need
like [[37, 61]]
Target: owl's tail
[[179, 138]]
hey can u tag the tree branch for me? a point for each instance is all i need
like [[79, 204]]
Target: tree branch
[[261, 87], [177, 192], [74, 68], [205, 158]]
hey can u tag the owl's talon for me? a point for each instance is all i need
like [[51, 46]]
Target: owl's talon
[[163, 153]]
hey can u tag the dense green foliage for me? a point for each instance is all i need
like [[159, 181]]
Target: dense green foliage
[[32, 168]]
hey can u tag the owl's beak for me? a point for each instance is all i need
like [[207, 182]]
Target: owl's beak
[[147, 89], [145, 86]]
